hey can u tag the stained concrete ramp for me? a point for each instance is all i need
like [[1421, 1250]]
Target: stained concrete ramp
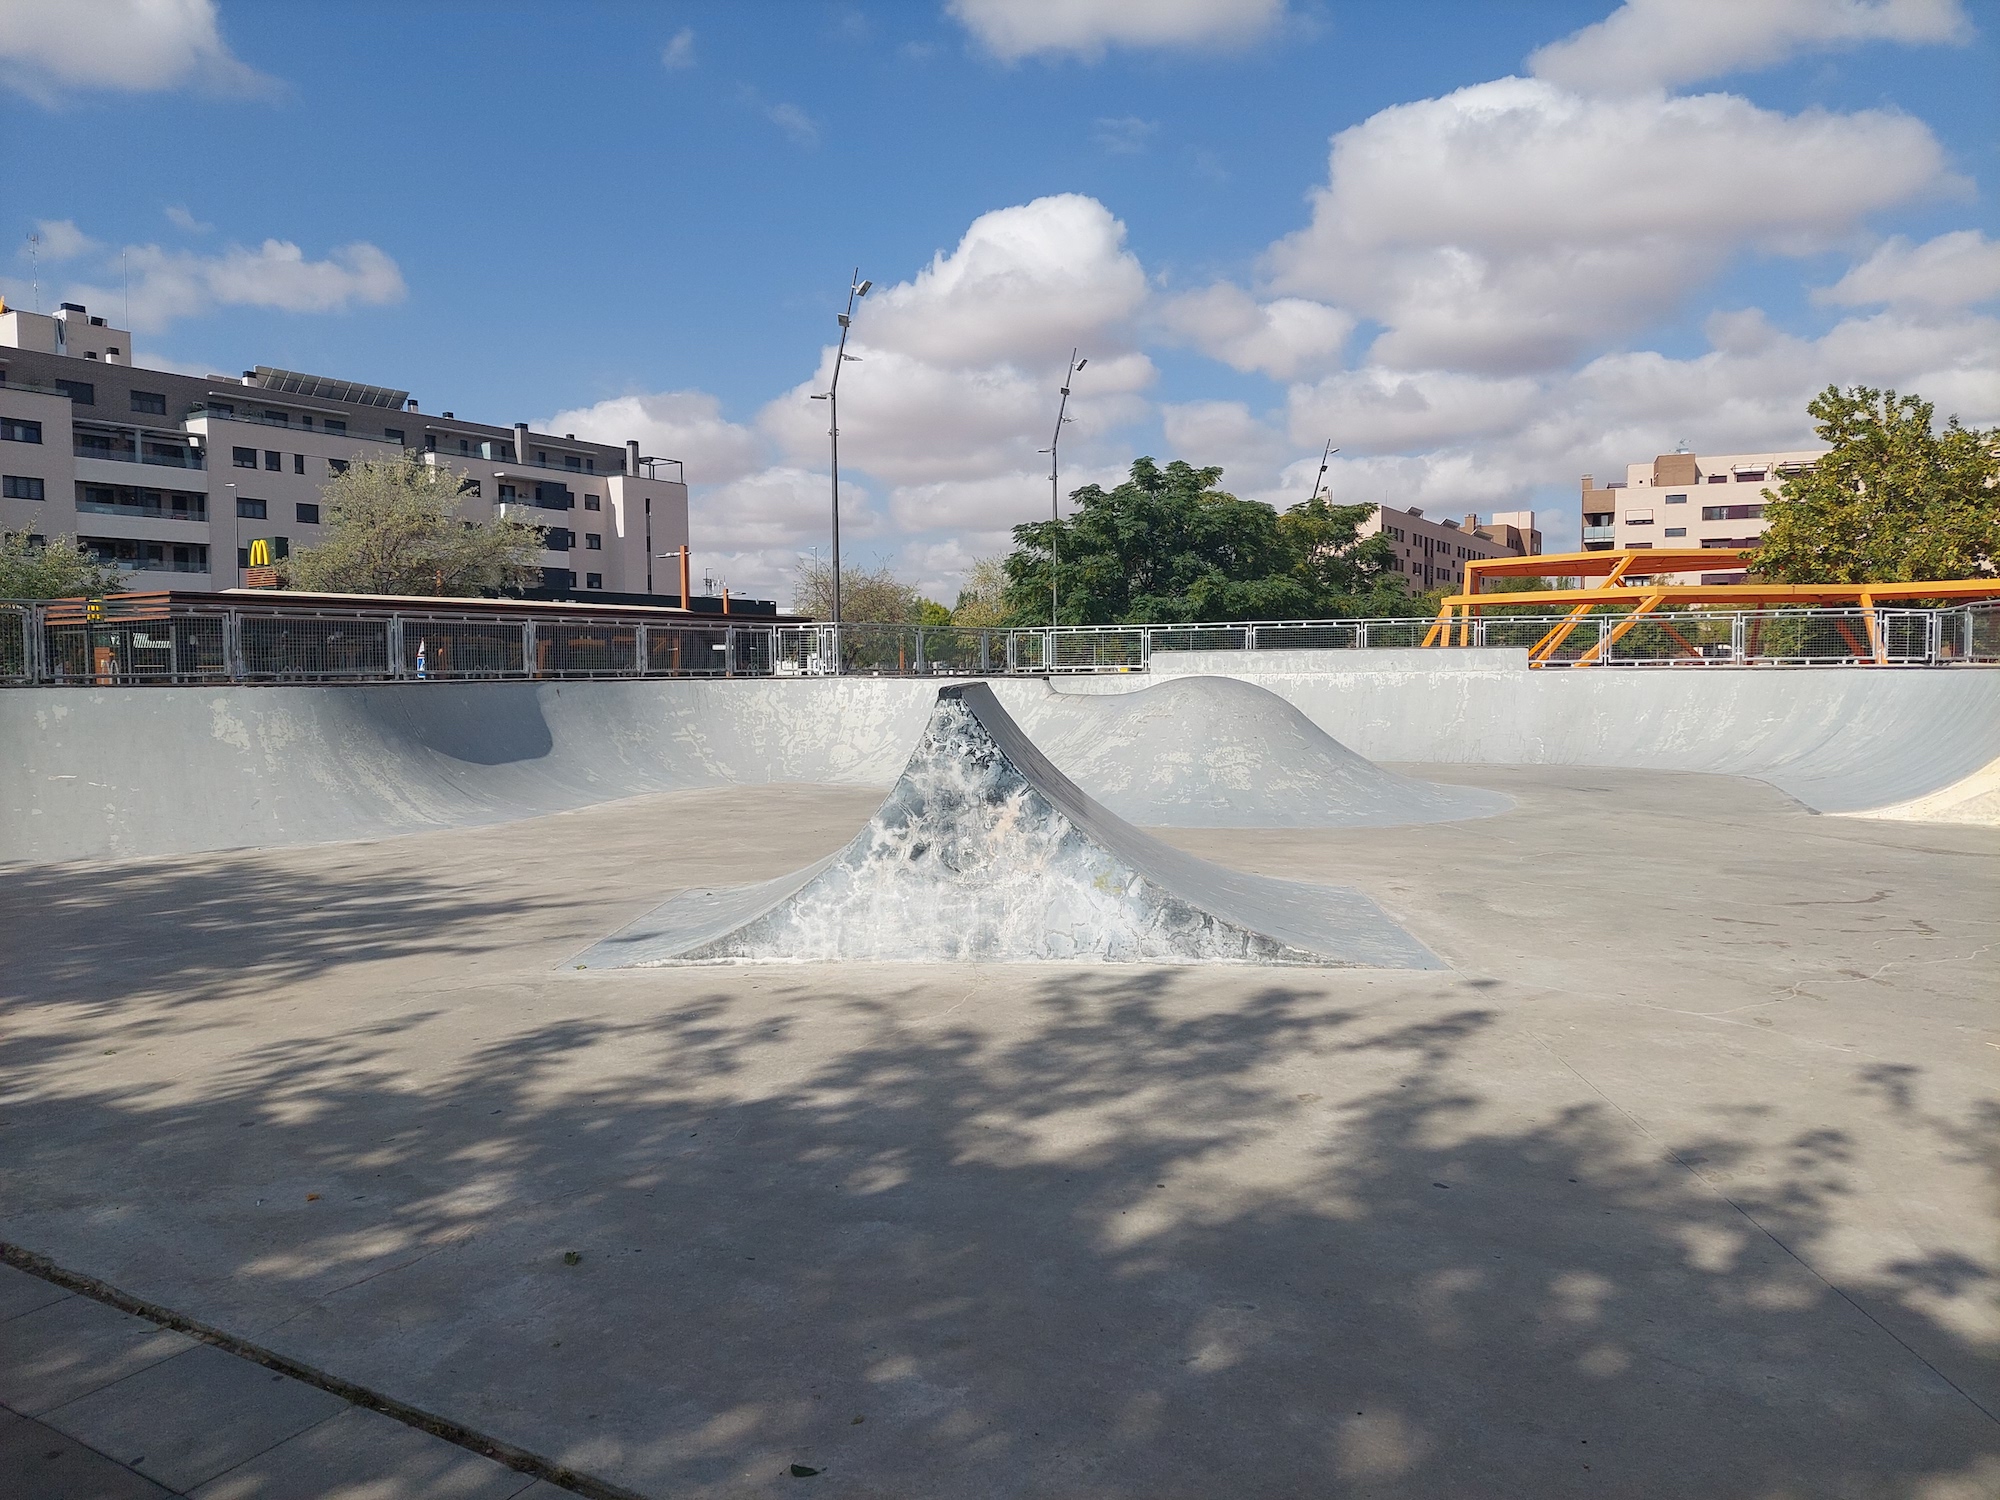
[[1217, 752], [985, 852]]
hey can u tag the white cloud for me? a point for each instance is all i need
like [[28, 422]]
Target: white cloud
[[679, 51], [167, 285], [687, 425], [1124, 136], [59, 240], [48, 46], [1513, 224], [1014, 29], [1387, 411], [795, 122], [1283, 338], [1664, 43], [180, 218], [1953, 270]]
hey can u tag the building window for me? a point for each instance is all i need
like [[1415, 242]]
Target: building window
[[1638, 518], [336, 466], [469, 487], [506, 493], [1677, 499], [1677, 531], [592, 542], [306, 420], [592, 502], [153, 402], [298, 463], [393, 434], [21, 487], [541, 457], [242, 557], [243, 458], [278, 418], [430, 442], [14, 430], [1640, 546], [336, 426], [1749, 476], [1732, 512], [571, 461], [593, 580], [559, 539], [250, 510], [1718, 479], [275, 462], [82, 392], [307, 512]]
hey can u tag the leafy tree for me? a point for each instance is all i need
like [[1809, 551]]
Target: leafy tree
[[394, 527], [879, 597], [1169, 546], [1893, 500], [982, 603], [56, 569]]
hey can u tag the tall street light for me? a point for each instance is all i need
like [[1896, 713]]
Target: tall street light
[[855, 288], [1324, 460], [1055, 488]]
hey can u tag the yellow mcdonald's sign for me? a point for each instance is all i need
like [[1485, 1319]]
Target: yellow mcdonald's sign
[[260, 553]]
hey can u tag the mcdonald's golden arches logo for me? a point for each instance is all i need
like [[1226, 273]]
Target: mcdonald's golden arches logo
[[260, 553]]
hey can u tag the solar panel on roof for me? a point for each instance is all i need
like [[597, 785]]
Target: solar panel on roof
[[325, 388]]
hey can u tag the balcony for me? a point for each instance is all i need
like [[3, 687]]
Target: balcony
[[154, 510], [1599, 534], [162, 455]]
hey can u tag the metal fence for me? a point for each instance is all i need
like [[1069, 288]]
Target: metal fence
[[42, 644]]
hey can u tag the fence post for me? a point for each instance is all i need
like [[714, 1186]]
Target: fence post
[[1146, 648], [985, 653], [729, 651], [920, 650], [528, 648], [639, 648], [396, 657]]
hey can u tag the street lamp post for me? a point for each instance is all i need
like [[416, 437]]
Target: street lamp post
[[1324, 460], [856, 288], [1055, 487]]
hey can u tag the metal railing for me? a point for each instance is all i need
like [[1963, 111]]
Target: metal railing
[[197, 643]]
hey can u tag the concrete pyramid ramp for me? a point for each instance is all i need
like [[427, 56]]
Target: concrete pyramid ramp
[[1213, 752], [985, 852]]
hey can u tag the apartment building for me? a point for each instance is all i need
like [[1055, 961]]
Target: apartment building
[[1689, 500], [173, 477], [1432, 553]]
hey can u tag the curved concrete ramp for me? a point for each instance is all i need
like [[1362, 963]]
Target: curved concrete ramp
[[985, 852], [1216, 752]]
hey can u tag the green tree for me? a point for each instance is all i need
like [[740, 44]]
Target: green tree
[[1893, 501], [1169, 546], [877, 597], [56, 569], [394, 527], [982, 603]]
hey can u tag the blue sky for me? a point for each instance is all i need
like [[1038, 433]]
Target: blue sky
[[1485, 247]]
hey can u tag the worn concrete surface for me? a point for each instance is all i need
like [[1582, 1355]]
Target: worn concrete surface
[[1681, 1183]]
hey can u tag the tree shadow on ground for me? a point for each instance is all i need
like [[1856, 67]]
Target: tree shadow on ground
[[1104, 1233]]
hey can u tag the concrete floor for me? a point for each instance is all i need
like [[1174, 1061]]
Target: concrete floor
[[1682, 1182]]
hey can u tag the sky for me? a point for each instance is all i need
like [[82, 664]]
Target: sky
[[1482, 246]]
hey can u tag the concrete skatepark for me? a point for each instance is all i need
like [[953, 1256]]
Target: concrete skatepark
[[1676, 1179]]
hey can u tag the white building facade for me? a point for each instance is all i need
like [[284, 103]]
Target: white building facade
[[1690, 500], [1431, 554], [173, 477]]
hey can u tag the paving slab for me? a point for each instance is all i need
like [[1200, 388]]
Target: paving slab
[[363, 1455], [187, 1419], [23, 1293], [39, 1463], [72, 1347]]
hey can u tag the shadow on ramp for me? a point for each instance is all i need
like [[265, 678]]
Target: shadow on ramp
[[985, 852]]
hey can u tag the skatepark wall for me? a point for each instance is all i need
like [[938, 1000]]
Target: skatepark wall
[[122, 772]]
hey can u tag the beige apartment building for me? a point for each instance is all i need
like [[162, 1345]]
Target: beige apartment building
[[173, 477], [1689, 500], [1433, 553]]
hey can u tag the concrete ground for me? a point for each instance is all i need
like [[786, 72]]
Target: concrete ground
[[1681, 1183]]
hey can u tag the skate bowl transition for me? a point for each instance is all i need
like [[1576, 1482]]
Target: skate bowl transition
[[1214, 739], [984, 851]]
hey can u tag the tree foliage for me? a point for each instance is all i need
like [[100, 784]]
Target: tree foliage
[[56, 569], [982, 603], [394, 527], [1893, 501], [877, 597], [1169, 546]]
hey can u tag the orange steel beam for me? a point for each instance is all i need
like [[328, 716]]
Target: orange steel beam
[[1685, 644], [1848, 636], [1552, 642], [1874, 629], [1617, 631], [1743, 594]]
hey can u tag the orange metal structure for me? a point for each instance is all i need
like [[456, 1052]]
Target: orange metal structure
[[1641, 599]]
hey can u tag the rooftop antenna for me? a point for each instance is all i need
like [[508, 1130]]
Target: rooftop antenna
[[35, 264], [125, 270]]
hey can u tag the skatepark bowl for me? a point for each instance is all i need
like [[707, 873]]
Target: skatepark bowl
[[1599, 1093]]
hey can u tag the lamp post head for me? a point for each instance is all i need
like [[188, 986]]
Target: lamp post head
[[844, 319], [862, 289], [1081, 363]]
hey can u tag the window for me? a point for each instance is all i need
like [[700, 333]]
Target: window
[[571, 461], [590, 466], [1638, 518], [1677, 531], [81, 392], [305, 419], [250, 510], [275, 462], [14, 430], [90, 354], [298, 463], [393, 434], [1640, 546], [1732, 512], [559, 539], [470, 487], [541, 457], [307, 512], [21, 487], [1718, 479], [243, 458], [153, 402], [336, 466], [465, 445], [1749, 476], [242, 557], [277, 418], [336, 426], [506, 493], [592, 542], [1677, 499], [592, 502], [593, 580], [430, 442]]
